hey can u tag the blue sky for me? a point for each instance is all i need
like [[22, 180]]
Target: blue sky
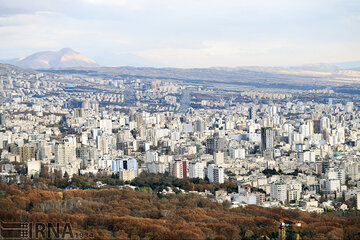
[[185, 33]]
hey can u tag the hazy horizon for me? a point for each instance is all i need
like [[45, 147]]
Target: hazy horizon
[[200, 33]]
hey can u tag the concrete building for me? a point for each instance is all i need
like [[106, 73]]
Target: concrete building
[[127, 174], [196, 170], [65, 152], [215, 173], [278, 191], [27, 153], [178, 168], [219, 158], [267, 138]]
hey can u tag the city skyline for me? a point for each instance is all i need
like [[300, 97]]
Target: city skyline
[[168, 119], [127, 145]]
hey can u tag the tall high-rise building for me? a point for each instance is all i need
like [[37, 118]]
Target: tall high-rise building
[[26, 152], [304, 130], [83, 153], [127, 168], [267, 138], [196, 170], [2, 120], [127, 164], [310, 124], [178, 168], [215, 173], [278, 191], [65, 152], [215, 144], [333, 182], [324, 123]]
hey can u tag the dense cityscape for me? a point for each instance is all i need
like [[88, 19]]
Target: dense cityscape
[[184, 120], [281, 149]]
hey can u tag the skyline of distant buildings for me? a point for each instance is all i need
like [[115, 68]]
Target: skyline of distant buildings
[[298, 148]]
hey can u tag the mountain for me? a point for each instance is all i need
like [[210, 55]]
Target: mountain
[[65, 58]]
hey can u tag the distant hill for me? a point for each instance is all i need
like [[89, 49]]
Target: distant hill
[[65, 58], [311, 76], [233, 76], [6, 69], [349, 65]]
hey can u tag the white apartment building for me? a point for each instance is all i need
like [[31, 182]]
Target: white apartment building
[[196, 170], [278, 191], [65, 152], [215, 173]]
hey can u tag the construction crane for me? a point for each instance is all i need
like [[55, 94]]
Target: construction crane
[[283, 225]]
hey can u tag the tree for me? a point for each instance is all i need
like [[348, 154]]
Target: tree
[[44, 172]]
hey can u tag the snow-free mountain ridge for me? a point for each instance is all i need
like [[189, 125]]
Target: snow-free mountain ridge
[[65, 58]]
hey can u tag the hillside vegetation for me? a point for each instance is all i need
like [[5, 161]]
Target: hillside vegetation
[[127, 214]]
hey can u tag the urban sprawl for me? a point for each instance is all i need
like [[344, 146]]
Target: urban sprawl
[[289, 148]]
